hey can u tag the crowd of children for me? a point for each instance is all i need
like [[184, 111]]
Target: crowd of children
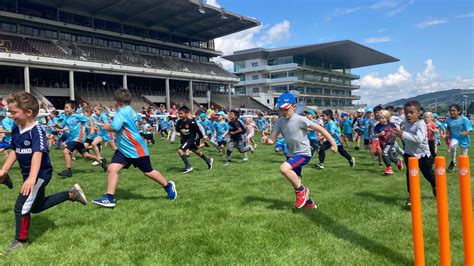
[[390, 136]]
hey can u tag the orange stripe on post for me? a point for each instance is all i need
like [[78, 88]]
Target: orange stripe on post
[[466, 207], [416, 217], [443, 213]]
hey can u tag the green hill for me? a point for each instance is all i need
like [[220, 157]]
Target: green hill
[[439, 100]]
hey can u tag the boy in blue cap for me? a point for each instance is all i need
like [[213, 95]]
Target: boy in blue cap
[[294, 128]]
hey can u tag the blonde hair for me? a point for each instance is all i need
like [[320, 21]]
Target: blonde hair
[[25, 101], [385, 114], [428, 114]]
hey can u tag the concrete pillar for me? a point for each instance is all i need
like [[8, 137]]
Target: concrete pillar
[[229, 91], [27, 78], [208, 99], [125, 82], [71, 85], [191, 98], [167, 90]]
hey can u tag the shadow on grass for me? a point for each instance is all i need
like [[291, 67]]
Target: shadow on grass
[[40, 224], [381, 198], [129, 195], [338, 230]]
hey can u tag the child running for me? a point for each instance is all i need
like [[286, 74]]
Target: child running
[[236, 133], [31, 151], [250, 125], [431, 129], [384, 132], [458, 129], [346, 128], [414, 134], [132, 150], [76, 124], [190, 137], [333, 130], [293, 128]]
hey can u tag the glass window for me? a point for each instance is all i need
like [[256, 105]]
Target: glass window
[[254, 64], [255, 77], [255, 90]]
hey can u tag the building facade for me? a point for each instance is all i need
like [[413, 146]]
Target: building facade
[[320, 75]]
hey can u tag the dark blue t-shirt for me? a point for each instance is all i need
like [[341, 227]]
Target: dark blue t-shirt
[[25, 143]]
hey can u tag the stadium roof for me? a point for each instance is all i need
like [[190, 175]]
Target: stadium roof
[[347, 54], [189, 18]]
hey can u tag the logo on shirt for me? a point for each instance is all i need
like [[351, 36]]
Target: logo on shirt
[[26, 143], [23, 151]]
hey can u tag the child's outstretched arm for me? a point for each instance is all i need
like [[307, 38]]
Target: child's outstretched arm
[[9, 161], [326, 134]]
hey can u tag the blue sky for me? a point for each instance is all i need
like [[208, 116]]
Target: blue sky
[[434, 40]]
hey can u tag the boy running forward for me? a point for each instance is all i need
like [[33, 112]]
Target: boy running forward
[[222, 130], [132, 150], [190, 134], [293, 128], [236, 133], [76, 124], [333, 130], [31, 151], [414, 134], [262, 124], [7, 126], [458, 128], [347, 129]]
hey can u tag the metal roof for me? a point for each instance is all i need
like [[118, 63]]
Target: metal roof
[[346, 53], [179, 17]]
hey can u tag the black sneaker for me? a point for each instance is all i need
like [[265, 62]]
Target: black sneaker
[[352, 162], [320, 165], [78, 194], [65, 173], [434, 191], [187, 170], [451, 166], [7, 181], [210, 162], [357, 148], [103, 164]]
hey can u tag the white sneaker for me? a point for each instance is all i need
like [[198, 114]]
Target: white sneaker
[[246, 159], [94, 163]]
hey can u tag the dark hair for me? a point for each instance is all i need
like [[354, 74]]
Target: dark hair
[[55, 113], [72, 103], [378, 108], [235, 112], [390, 108], [329, 113], [184, 109], [416, 104], [457, 107], [25, 101], [397, 109], [123, 96]]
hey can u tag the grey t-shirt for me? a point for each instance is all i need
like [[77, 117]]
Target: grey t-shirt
[[416, 140], [294, 131]]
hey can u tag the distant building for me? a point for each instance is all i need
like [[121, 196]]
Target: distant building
[[320, 74]]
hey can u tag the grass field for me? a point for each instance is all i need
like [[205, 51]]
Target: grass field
[[242, 213]]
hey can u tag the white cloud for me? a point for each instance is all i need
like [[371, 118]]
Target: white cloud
[[378, 39], [384, 4], [402, 84], [278, 32], [400, 7], [251, 38], [381, 30], [431, 22], [467, 15], [345, 11], [213, 3]]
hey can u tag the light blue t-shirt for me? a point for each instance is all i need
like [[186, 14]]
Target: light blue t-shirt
[[7, 124], [89, 135], [333, 129], [221, 128], [440, 127], [207, 125], [76, 125], [347, 126], [261, 123], [311, 133], [129, 141], [456, 127]]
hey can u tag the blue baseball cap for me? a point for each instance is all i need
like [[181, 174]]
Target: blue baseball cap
[[369, 110], [344, 115], [435, 115], [202, 115], [221, 113], [285, 101], [311, 112]]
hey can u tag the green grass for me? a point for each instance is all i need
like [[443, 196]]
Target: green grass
[[242, 213]]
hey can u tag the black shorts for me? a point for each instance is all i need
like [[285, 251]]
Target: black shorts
[[148, 136], [366, 142], [89, 141], [189, 145], [76, 146], [142, 163], [222, 143]]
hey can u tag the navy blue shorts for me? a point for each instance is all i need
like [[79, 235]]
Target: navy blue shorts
[[188, 145], [76, 146], [142, 163], [366, 142], [297, 162], [348, 136], [222, 143]]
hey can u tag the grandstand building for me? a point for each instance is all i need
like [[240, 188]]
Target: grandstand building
[[161, 50], [320, 74]]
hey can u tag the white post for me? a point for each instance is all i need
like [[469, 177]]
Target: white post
[[191, 99], [208, 99], [125, 82], [229, 90], [71, 85], [27, 78], [167, 90]]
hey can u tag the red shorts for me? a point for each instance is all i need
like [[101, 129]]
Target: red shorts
[[375, 146]]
